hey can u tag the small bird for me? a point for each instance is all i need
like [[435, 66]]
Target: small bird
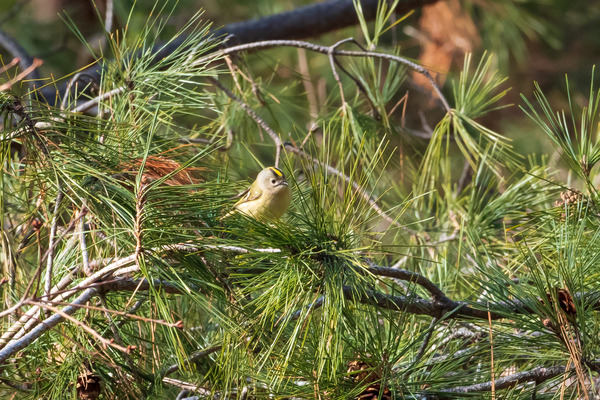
[[268, 197]]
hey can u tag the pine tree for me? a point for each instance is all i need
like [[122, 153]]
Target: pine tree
[[414, 263]]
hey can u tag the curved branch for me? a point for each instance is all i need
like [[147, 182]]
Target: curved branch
[[17, 51], [436, 293], [329, 50], [310, 21]]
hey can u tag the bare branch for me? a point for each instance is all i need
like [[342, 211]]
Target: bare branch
[[405, 275], [539, 374], [95, 101], [105, 342], [187, 386], [85, 259], [357, 81], [129, 285], [27, 321], [332, 63], [49, 323], [108, 16], [415, 305], [330, 50]]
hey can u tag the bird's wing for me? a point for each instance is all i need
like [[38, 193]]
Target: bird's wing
[[248, 195]]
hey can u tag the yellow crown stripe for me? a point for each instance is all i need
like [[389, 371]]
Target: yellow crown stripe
[[276, 171]]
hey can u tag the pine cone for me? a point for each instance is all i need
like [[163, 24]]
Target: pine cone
[[372, 393], [571, 196], [366, 374], [361, 372], [88, 386], [566, 302]]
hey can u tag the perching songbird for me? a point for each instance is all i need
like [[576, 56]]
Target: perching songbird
[[268, 197]]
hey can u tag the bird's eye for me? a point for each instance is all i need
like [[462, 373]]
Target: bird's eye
[[273, 181]]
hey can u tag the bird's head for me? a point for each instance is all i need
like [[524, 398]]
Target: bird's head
[[271, 179]]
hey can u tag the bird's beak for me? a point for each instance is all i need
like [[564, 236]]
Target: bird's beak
[[283, 183]]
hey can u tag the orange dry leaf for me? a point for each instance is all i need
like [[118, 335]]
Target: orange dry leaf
[[156, 167]]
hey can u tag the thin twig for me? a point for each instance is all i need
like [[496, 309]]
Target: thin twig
[[82, 244], [436, 293], [190, 360], [274, 136], [188, 386], [14, 307], [425, 343], [358, 83], [49, 323], [327, 50], [177, 324], [117, 267], [27, 321], [50, 252], [36, 63], [67, 94], [105, 342], [96, 100], [332, 63], [108, 16], [8, 66]]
